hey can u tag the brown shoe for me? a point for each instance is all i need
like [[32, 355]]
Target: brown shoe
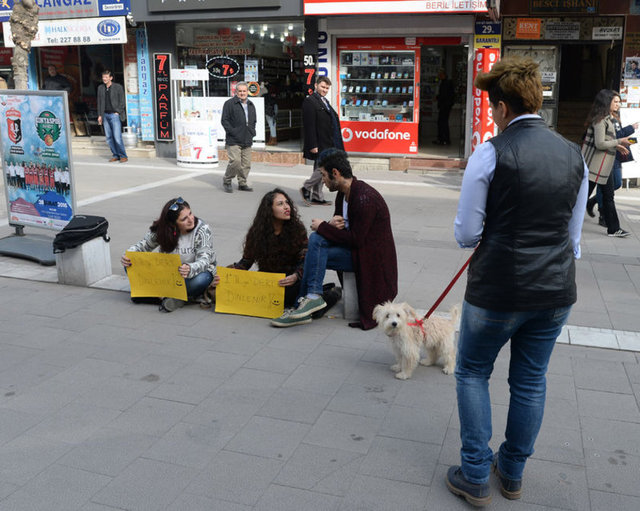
[[114, 159], [124, 160]]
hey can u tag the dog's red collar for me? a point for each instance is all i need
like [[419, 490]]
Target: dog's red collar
[[418, 322]]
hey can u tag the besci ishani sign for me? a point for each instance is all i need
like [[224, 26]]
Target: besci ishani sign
[[323, 7]]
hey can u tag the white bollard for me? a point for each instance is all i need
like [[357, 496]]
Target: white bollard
[[350, 296], [84, 265]]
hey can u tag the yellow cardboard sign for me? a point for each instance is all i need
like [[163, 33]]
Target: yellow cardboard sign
[[156, 274], [250, 293]]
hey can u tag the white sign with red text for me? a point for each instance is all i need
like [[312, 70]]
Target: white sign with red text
[[322, 7], [380, 137]]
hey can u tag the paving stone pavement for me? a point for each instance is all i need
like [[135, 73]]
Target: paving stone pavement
[[106, 405]]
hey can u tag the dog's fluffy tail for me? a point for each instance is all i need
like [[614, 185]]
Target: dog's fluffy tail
[[455, 315]]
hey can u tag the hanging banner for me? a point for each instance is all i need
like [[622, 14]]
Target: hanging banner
[[74, 32], [145, 97], [62, 9], [163, 108], [36, 158], [487, 35], [131, 82], [483, 125]]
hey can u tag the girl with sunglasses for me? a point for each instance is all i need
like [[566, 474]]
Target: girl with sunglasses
[[178, 231]]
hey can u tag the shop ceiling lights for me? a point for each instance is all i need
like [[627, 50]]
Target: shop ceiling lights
[[239, 28], [265, 28], [290, 26]]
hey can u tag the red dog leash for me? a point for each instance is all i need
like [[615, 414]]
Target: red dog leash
[[420, 322]]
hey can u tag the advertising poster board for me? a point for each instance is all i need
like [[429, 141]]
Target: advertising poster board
[[209, 109], [36, 158], [631, 169], [144, 86]]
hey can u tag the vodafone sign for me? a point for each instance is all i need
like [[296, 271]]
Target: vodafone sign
[[380, 137]]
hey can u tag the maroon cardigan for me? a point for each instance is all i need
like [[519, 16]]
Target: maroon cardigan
[[373, 250]]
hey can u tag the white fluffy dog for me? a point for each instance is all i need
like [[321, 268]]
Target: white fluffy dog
[[407, 335]]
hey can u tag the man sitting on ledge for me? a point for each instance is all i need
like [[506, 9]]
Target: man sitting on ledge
[[357, 239]]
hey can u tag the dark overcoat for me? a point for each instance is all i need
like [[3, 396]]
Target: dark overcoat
[[373, 250], [318, 126]]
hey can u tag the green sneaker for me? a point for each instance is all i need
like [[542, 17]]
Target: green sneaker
[[287, 320], [307, 306]]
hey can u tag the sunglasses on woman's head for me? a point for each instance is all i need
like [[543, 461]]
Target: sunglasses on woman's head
[[176, 204]]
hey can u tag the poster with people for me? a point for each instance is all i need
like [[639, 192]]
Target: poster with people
[[36, 158]]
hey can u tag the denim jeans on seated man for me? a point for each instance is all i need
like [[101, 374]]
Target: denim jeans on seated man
[[322, 255], [482, 334], [113, 132]]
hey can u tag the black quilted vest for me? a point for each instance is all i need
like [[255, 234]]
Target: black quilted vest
[[525, 259]]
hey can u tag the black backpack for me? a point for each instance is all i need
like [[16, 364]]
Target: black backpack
[[81, 228]]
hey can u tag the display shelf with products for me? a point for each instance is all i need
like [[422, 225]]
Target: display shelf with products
[[377, 86], [378, 94]]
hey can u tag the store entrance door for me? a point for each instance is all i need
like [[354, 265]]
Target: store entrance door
[[443, 89], [584, 70]]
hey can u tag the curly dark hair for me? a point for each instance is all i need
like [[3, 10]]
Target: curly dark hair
[[165, 226], [275, 253]]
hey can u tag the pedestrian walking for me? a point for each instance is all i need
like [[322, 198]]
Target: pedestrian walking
[[601, 143], [239, 123], [321, 131]]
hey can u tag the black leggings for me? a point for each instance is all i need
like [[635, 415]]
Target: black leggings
[[608, 205]]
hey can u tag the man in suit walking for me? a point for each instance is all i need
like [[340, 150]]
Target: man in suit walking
[[321, 131]]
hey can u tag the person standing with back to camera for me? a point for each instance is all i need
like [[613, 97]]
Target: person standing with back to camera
[[522, 207], [321, 131]]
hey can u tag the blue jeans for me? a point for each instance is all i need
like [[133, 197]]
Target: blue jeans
[[113, 133], [197, 284], [322, 255], [482, 334]]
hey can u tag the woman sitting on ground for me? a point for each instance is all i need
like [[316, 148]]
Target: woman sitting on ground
[[277, 242], [178, 231]]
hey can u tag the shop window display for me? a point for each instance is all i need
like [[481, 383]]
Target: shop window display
[[267, 55]]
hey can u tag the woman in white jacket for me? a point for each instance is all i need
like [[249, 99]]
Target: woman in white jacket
[[178, 231]]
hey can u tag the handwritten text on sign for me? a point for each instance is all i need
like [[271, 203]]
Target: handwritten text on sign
[[250, 293], [156, 274]]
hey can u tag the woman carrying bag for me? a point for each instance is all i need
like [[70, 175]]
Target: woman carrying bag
[[599, 151]]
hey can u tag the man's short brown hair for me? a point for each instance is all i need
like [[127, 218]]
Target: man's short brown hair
[[324, 79], [516, 81]]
